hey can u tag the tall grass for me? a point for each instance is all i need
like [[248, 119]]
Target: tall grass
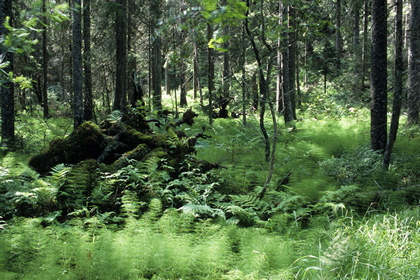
[[383, 246]]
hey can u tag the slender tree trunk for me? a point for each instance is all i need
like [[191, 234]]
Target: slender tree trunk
[[7, 87], [88, 100], [77, 64], [120, 97], [44, 63], [183, 82], [338, 37], [156, 57], [210, 72], [292, 47], [398, 84], [365, 43], [279, 85], [379, 76], [413, 98], [263, 85], [357, 51], [156, 74], [167, 77], [196, 72], [287, 87], [244, 87]]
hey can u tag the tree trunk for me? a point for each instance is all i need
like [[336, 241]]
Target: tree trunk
[[88, 100], [263, 85], [156, 74], [44, 63], [183, 82], [156, 57], [287, 87], [413, 98], [77, 64], [338, 37], [7, 88], [210, 72], [196, 70], [378, 127], [120, 97], [365, 44], [244, 87], [398, 84], [357, 51], [292, 47]]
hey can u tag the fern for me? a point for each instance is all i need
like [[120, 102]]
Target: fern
[[130, 204]]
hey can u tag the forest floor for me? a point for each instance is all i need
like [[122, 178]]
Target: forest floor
[[330, 211]]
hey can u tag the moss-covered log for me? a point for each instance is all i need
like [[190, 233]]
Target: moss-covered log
[[86, 142], [115, 142]]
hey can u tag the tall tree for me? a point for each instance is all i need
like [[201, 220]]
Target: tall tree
[[7, 88], [288, 87], [156, 53], [210, 72], [338, 36], [77, 64], [378, 126], [263, 79], [398, 83], [120, 97], [365, 52], [88, 98], [44, 61], [413, 98]]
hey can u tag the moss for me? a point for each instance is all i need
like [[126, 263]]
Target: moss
[[161, 140], [86, 142], [139, 153]]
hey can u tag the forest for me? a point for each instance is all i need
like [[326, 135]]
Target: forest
[[209, 139]]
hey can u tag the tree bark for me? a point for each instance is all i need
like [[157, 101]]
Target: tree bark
[[292, 50], [120, 97], [287, 87], [413, 97], [7, 87], [398, 84], [378, 126], [156, 57], [338, 37], [44, 63], [210, 72], [88, 98], [77, 64], [365, 44]]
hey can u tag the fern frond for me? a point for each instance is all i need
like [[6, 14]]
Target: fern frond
[[197, 210], [130, 204]]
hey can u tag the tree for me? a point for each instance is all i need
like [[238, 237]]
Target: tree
[[7, 87], [338, 37], [287, 69], [210, 71], [156, 61], [44, 61], [88, 98], [77, 64], [378, 126], [398, 84], [413, 98], [120, 97]]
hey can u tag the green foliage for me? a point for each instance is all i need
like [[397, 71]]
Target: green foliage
[[382, 247]]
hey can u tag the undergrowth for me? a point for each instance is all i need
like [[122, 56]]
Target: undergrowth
[[330, 211]]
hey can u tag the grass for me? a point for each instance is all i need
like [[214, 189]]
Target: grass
[[381, 246], [321, 234]]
